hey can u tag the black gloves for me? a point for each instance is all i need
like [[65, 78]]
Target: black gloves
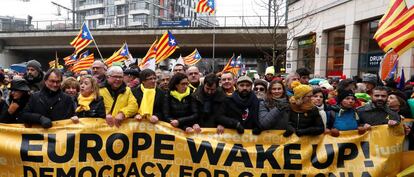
[[287, 133], [45, 122], [239, 128]]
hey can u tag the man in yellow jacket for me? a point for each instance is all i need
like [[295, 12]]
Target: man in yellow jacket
[[119, 101]]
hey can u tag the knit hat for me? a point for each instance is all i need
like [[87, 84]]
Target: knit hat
[[244, 79], [300, 90], [270, 70], [261, 82], [35, 64], [20, 85], [343, 94], [325, 84], [370, 78]]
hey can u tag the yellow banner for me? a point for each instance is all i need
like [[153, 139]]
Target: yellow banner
[[91, 148]]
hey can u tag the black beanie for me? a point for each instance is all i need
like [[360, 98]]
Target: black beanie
[[343, 94]]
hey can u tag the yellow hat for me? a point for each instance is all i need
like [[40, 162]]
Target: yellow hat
[[300, 90]]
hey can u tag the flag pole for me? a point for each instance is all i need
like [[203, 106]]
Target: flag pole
[[94, 42], [214, 41], [56, 60]]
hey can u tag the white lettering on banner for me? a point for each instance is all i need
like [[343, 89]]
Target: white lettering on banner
[[375, 60]]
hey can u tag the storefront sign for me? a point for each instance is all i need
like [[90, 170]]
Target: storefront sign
[[309, 40], [375, 59]]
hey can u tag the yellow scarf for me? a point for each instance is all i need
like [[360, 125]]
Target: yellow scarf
[[180, 96], [147, 103], [83, 102]]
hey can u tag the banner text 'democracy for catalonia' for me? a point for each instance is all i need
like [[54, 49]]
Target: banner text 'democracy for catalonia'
[[91, 148]]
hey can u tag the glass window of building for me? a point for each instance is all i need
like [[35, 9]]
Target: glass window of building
[[336, 43], [306, 52], [370, 54]]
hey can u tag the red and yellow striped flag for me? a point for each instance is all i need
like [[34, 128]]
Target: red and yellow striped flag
[[165, 47], [152, 51], [83, 63], [396, 30]]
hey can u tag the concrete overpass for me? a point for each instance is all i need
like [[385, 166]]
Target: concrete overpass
[[249, 41]]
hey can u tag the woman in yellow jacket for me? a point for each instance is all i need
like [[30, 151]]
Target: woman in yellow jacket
[[119, 101]]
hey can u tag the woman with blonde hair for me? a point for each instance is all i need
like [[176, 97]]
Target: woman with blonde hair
[[90, 104]]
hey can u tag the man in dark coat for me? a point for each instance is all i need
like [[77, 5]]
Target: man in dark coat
[[34, 75], [210, 100], [148, 80], [50, 103], [377, 112], [241, 109]]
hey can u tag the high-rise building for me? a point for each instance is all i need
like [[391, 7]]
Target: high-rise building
[[137, 13]]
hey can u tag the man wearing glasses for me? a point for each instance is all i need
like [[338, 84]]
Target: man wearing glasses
[[98, 71], [149, 97], [50, 103], [119, 101]]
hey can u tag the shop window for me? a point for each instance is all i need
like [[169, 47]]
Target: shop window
[[370, 54], [335, 55], [306, 52]]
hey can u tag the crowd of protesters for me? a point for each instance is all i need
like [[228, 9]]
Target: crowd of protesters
[[191, 101]]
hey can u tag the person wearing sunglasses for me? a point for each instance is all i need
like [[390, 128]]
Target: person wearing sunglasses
[[260, 88], [270, 108]]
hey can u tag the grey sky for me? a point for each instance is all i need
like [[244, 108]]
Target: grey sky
[[45, 10]]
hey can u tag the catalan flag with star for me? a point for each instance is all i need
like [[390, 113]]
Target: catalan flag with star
[[82, 40], [120, 55], [206, 6], [85, 62], [193, 58], [70, 60], [166, 46]]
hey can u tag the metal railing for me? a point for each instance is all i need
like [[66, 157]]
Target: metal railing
[[143, 22]]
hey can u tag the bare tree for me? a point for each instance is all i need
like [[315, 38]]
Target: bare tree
[[278, 31]]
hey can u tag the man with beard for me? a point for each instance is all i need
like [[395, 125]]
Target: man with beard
[[50, 103], [377, 112], [241, 109], [34, 75], [193, 75], [210, 102], [98, 72]]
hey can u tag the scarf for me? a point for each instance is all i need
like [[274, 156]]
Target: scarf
[[322, 112], [298, 106], [84, 102], [147, 103], [180, 96]]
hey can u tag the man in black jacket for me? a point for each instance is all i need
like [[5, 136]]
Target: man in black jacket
[[210, 101], [377, 112], [50, 103], [148, 80], [241, 109]]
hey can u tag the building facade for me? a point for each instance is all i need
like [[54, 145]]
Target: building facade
[[335, 38], [136, 13], [8, 23]]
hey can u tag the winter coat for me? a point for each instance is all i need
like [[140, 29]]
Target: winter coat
[[370, 114], [159, 98], [185, 111], [52, 105], [97, 109], [270, 118], [308, 123], [209, 108], [6, 117], [125, 101], [36, 84], [238, 110], [343, 119]]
